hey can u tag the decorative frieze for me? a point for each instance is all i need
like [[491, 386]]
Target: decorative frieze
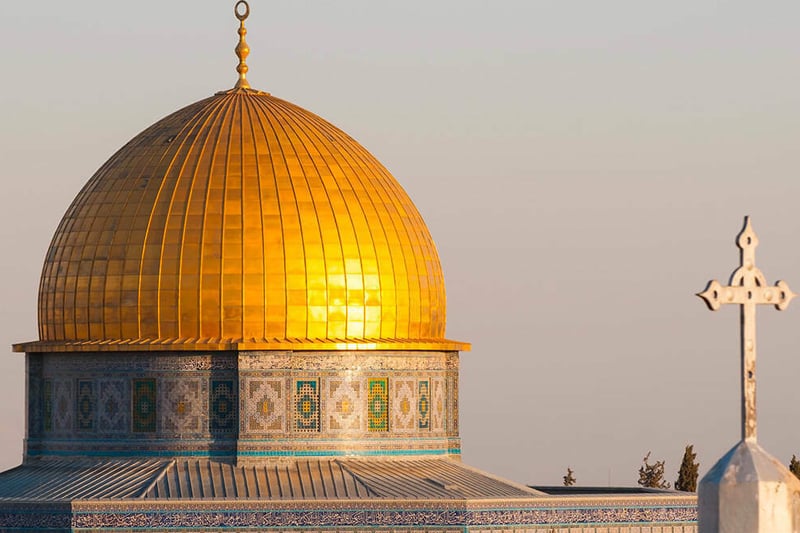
[[674, 515]]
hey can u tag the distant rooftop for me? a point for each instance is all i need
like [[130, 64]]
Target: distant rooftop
[[558, 490]]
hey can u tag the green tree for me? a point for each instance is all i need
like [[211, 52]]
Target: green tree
[[687, 475], [652, 475], [794, 466], [569, 479]]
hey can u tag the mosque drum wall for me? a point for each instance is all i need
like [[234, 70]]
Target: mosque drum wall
[[243, 405]]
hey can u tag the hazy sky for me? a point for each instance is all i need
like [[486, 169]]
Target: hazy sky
[[584, 168]]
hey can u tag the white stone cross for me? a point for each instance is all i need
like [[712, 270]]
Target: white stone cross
[[747, 288]]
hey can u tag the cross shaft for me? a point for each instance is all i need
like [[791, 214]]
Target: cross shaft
[[747, 288]]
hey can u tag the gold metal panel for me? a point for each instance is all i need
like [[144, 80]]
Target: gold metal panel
[[257, 220]]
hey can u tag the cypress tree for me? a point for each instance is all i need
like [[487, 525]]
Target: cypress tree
[[687, 475], [794, 466]]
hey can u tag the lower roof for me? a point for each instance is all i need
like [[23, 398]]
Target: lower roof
[[200, 479]]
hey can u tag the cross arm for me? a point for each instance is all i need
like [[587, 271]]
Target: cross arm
[[717, 295]]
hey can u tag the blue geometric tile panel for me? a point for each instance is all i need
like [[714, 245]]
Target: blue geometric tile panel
[[144, 405], [424, 405], [87, 405], [306, 412], [47, 405], [378, 404], [224, 407]]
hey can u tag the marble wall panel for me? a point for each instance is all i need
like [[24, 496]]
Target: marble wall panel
[[63, 406], [183, 405], [344, 405], [452, 404], [35, 409], [263, 404], [113, 399], [438, 407], [403, 404]]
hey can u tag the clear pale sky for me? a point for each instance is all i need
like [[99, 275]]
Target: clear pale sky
[[584, 168]]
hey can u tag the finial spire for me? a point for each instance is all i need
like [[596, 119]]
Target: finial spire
[[242, 49]]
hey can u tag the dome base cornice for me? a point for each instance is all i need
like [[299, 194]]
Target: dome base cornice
[[217, 345]]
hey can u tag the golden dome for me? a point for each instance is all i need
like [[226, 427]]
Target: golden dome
[[242, 221]]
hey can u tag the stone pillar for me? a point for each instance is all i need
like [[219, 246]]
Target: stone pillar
[[749, 491]]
